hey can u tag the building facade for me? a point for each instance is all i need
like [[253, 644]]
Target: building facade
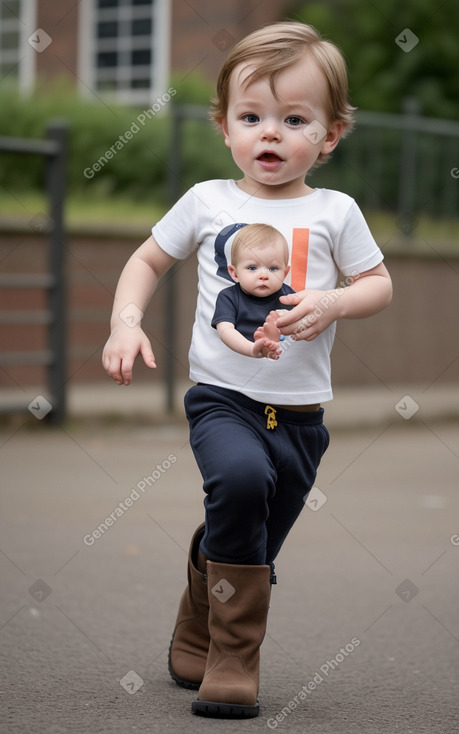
[[124, 49]]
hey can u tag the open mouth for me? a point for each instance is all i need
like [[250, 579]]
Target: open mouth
[[269, 162], [269, 158]]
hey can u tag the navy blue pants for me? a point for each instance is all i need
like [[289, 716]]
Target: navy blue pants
[[258, 464]]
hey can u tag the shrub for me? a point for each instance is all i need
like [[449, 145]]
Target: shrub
[[137, 163]]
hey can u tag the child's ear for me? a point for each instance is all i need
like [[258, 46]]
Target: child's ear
[[332, 138], [224, 126], [232, 272]]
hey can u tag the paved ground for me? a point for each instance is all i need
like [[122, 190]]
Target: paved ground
[[356, 407], [363, 632]]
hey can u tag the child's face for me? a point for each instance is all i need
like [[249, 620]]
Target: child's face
[[269, 138], [260, 271]]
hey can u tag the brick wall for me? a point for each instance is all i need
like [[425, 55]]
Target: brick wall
[[204, 31], [93, 268], [201, 33], [61, 23], [411, 342]]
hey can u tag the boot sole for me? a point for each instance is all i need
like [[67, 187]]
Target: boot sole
[[180, 681], [215, 710]]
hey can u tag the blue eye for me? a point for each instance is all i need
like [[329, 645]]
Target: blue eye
[[273, 269], [294, 121], [251, 118]]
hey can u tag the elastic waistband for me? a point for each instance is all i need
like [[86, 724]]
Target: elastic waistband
[[255, 406]]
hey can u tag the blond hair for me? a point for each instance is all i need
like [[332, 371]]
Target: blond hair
[[257, 236], [276, 47]]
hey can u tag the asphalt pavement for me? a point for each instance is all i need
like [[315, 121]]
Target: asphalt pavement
[[363, 630]]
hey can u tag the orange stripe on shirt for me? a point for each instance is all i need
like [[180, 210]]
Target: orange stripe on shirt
[[299, 259]]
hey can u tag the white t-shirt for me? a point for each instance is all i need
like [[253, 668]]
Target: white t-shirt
[[326, 232]]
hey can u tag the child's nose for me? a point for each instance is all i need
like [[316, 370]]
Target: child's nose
[[270, 130]]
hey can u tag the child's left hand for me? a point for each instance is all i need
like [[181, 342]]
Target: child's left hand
[[313, 313]]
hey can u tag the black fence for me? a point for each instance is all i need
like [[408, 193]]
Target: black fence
[[404, 164], [54, 149]]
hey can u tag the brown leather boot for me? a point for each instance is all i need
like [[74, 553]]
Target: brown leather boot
[[190, 640], [239, 601]]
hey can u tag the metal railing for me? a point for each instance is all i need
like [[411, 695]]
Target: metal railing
[[403, 163], [408, 164], [54, 149]]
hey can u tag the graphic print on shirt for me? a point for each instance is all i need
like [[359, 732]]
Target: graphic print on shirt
[[220, 242], [298, 259]]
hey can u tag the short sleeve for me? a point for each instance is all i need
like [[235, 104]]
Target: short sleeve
[[355, 249], [225, 307], [177, 233]]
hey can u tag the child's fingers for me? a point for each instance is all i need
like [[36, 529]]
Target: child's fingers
[[286, 322], [113, 369], [147, 354], [123, 376], [271, 349], [275, 348], [292, 299], [119, 368]]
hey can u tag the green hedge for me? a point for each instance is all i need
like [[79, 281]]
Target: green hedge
[[118, 151], [112, 149]]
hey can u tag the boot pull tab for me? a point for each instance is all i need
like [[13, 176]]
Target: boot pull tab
[[271, 421]]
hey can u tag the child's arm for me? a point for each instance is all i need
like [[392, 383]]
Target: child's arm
[[238, 343], [314, 311], [136, 285]]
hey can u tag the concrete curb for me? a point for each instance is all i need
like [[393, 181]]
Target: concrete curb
[[351, 408]]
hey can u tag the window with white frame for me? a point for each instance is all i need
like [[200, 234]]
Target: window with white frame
[[129, 52], [16, 55]]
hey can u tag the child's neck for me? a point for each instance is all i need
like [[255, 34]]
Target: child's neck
[[289, 190]]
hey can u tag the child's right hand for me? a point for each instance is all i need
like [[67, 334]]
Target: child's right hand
[[266, 348], [121, 349]]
